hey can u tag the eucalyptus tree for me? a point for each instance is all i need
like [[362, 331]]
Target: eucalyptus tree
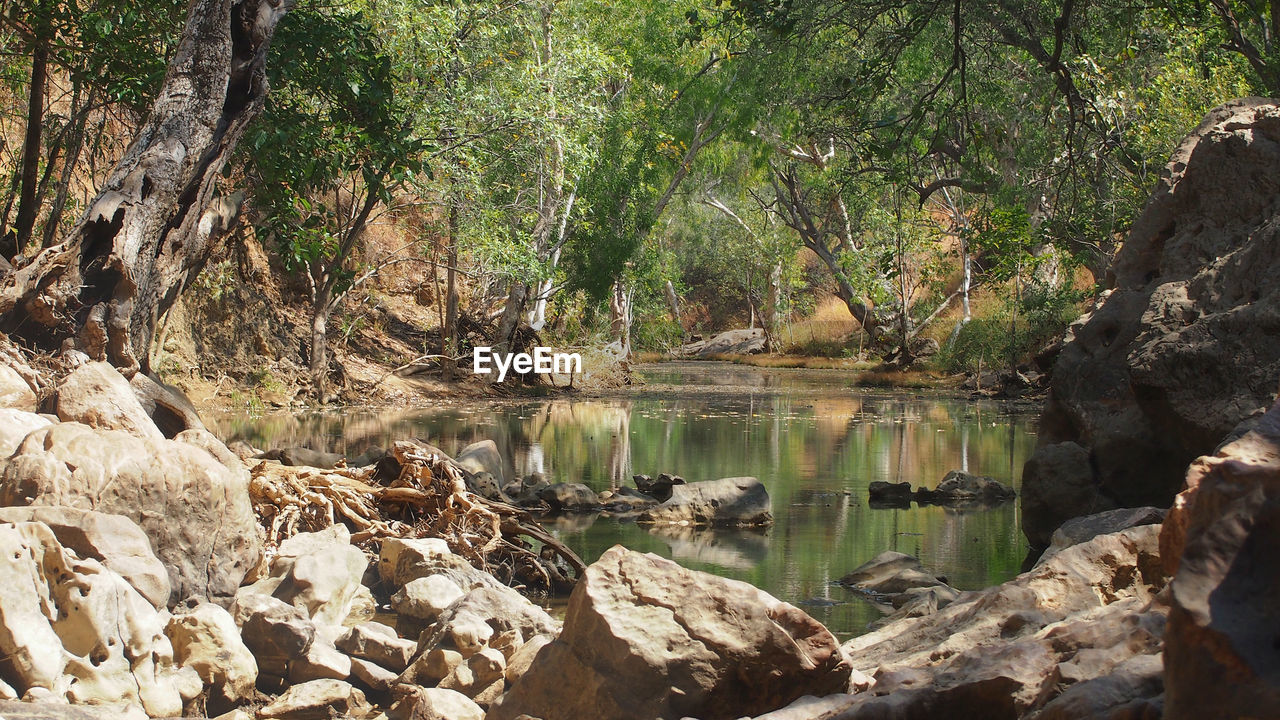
[[163, 208]]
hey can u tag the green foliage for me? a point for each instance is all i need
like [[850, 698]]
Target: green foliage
[[1012, 334]]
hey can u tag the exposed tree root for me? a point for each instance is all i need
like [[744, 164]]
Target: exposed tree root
[[428, 498]]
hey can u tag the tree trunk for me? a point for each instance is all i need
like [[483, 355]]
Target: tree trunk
[[620, 316], [321, 306], [449, 333], [31, 150], [156, 221], [509, 321]]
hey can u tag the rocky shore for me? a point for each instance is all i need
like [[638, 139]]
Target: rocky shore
[[155, 576]]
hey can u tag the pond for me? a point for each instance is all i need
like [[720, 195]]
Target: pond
[[812, 437]]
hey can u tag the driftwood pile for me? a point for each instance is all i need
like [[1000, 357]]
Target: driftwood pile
[[428, 497]]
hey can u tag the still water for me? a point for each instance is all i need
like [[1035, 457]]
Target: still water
[[814, 439]]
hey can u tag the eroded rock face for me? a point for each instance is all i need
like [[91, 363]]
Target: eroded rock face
[[206, 639], [1221, 537], [1188, 344], [728, 502], [194, 509], [645, 638], [72, 629], [1008, 651], [114, 540]]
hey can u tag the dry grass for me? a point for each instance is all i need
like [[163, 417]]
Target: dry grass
[[826, 332]]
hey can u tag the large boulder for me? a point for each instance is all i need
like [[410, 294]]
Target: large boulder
[[1221, 537], [72, 629], [728, 502], [319, 573], [194, 508], [482, 457], [98, 396], [645, 638], [113, 540], [1187, 345]]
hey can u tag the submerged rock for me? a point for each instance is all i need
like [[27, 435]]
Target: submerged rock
[[1187, 346], [1007, 651], [569, 496], [646, 638], [960, 488], [891, 576], [659, 489], [889, 494], [728, 502]]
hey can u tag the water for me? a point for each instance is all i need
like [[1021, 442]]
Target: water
[[813, 439]]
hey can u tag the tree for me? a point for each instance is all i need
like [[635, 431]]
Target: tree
[[162, 210], [335, 144]]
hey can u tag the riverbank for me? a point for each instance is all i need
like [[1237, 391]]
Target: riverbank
[[306, 557]]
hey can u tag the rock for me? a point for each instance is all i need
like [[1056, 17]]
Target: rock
[[44, 710], [892, 576], [425, 598], [167, 407], [403, 560], [96, 395], [437, 704], [322, 661], [1221, 537], [888, 494], [194, 510], [1132, 691], [1082, 529], [15, 392], [1057, 484], [113, 540], [476, 674], [371, 675], [522, 659], [728, 502], [569, 496], [206, 639], [961, 488], [274, 631], [436, 665], [1186, 346], [482, 457], [378, 643], [486, 486], [659, 489], [646, 638], [318, 573], [16, 425], [317, 700], [72, 629], [1009, 650]]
